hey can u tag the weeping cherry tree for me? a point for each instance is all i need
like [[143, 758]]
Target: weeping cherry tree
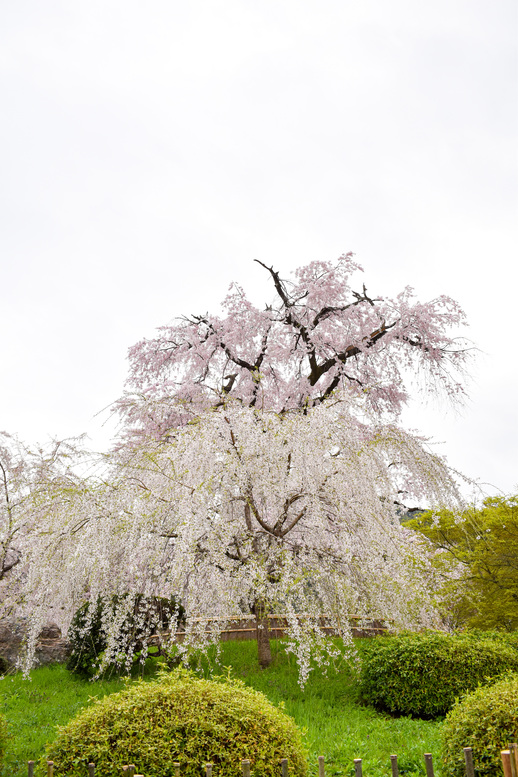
[[261, 468]]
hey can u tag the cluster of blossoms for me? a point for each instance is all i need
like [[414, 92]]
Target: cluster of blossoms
[[316, 337]]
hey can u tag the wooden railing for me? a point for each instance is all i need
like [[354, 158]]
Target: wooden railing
[[245, 628], [509, 765]]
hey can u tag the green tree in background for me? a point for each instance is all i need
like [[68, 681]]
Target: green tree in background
[[477, 558]]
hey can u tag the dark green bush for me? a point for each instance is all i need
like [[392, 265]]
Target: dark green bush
[[87, 637], [422, 674], [180, 717], [485, 720]]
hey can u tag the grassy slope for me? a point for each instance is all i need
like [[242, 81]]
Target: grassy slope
[[336, 726]]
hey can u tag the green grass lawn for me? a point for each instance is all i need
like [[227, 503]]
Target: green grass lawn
[[336, 725]]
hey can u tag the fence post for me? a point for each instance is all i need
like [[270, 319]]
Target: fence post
[[176, 765], [91, 770], [357, 767], [208, 770], [50, 768], [131, 770], [284, 767], [245, 767], [506, 763], [30, 768], [321, 766], [513, 749], [468, 760], [429, 764], [393, 766]]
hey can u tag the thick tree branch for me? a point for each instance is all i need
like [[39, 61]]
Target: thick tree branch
[[284, 513], [292, 525], [330, 309]]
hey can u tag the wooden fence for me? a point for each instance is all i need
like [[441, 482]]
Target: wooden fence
[[509, 765], [246, 628]]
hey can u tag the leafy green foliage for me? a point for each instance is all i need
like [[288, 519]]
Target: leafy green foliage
[[184, 718], [3, 737], [487, 721], [87, 633], [481, 546], [422, 674], [509, 638]]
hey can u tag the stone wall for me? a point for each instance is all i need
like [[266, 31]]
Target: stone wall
[[51, 648]]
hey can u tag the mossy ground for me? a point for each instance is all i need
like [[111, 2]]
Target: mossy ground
[[336, 725]]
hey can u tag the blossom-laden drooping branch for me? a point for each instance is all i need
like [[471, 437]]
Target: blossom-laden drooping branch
[[250, 511], [34, 483]]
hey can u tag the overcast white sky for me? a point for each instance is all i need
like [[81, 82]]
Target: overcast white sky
[[150, 151]]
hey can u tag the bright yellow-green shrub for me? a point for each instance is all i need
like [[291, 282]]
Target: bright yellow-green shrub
[[180, 717], [485, 720]]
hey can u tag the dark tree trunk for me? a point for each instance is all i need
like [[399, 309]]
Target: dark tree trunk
[[264, 651]]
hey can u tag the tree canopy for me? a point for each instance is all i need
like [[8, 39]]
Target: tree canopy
[[317, 336], [479, 550]]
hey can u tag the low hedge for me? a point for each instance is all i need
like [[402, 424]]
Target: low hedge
[[179, 717], [485, 720], [423, 674]]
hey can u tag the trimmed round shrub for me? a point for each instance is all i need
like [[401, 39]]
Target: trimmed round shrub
[[87, 638], [485, 720], [423, 674], [3, 737], [180, 717]]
